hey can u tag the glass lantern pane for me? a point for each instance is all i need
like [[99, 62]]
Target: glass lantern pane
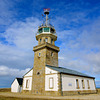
[[40, 30], [46, 29], [52, 30]]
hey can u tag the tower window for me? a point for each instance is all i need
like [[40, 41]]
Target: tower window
[[40, 40], [52, 54], [51, 41], [46, 39], [39, 54], [40, 30], [38, 73], [52, 30]]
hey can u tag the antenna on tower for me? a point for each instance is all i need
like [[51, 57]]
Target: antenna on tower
[[46, 12]]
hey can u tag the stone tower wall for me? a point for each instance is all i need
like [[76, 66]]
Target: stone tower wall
[[38, 82]]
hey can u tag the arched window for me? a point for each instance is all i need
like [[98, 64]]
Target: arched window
[[52, 54], [46, 39], [51, 41], [40, 40]]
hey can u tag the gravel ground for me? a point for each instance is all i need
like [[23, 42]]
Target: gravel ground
[[20, 96]]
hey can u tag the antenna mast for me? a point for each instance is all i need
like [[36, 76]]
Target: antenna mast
[[46, 12]]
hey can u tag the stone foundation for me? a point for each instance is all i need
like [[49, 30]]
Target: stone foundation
[[26, 91], [52, 93], [65, 93]]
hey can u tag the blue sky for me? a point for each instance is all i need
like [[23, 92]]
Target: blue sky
[[77, 23]]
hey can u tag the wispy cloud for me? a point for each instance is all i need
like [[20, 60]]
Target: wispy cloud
[[81, 48], [6, 12], [20, 38], [6, 71]]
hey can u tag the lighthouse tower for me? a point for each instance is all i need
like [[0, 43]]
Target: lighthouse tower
[[45, 53]]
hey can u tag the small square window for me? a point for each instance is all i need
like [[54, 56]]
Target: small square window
[[39, 54], [51, 41], [38, 73]]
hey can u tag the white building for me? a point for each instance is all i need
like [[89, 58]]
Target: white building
[[72, 82], [16, 86]]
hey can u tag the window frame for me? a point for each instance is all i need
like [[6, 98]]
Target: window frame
[[83, 85], [45, 31], [51, 41], [39, 54], [27, 83], [40, 40], [51, 87], [52, 54], [46, 39], [88, 84], [77, 84]]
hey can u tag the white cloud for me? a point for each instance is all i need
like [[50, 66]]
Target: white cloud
[[18, 52], [6, 71], [6, 12], [81, 48], [22, 34]]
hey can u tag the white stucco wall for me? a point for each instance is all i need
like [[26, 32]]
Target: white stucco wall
[[29, 73], [69, 83], [15, 86], [28, 76], [49, 73]]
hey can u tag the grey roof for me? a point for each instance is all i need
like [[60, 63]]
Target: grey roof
[[20, 80], [68, 71]]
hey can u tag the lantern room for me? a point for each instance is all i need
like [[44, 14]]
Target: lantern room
[[46, 32]]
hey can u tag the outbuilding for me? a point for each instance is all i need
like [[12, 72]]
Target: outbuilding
[[16, 86]]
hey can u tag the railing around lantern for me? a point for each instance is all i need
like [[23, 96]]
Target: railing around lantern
[[45, 33]]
